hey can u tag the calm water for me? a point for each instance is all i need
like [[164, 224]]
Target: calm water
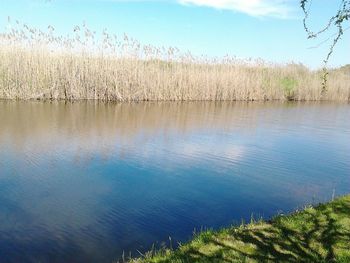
[[84, 182]]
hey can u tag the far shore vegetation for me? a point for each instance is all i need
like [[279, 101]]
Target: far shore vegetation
[[42, 65], [315, 234]]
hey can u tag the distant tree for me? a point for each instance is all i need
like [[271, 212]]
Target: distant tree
[[341, 16]]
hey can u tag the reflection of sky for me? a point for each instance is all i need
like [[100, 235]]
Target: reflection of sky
[[86, 190]]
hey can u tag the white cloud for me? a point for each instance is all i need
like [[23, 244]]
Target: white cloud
[[258, 8], [273, 8]]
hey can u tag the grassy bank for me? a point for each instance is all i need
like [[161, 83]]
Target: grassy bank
[[41, 65], [320, 234]]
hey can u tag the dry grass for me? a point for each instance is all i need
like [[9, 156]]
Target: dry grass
[[41, 65]]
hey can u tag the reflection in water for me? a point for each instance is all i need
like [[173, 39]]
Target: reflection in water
[[84, 181]]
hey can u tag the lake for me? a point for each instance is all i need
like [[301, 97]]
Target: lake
[[85, 181]]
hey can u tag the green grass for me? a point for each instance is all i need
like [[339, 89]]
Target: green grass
[[320, 234], [289, 85]]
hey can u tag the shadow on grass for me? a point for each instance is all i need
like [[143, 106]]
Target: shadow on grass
[[319, 234]]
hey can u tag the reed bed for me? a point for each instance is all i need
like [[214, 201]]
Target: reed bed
[[41, 65]]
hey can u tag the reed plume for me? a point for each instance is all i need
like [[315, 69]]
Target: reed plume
[[39, 64]]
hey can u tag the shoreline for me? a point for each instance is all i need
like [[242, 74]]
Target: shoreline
[[315, 234]]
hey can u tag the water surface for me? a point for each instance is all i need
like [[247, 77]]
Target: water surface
[[84, 182]]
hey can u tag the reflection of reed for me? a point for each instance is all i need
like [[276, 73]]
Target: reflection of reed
[[99, 125], [88, 123], [84, 119]]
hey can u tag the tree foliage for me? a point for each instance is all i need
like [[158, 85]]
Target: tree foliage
[[337, 20]]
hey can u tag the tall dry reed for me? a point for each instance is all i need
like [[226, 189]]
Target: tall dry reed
[[41, 65]]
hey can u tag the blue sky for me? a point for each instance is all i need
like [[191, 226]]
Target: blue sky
[[267, 29]]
